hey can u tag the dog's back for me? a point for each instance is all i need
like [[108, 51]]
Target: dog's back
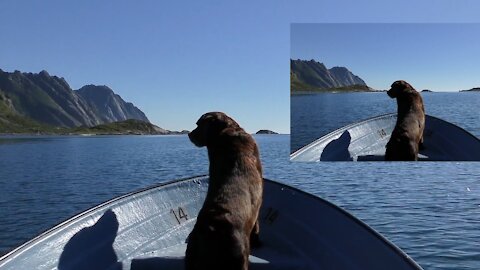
[[407, 136], [228, 218]]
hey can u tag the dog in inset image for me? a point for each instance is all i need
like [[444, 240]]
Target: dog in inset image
[[407, 136], [227, 224]]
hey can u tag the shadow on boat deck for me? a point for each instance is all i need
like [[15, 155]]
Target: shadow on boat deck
[[262, 258], [92, 247], [337, 150]]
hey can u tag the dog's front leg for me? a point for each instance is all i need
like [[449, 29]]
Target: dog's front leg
[[255, 236]]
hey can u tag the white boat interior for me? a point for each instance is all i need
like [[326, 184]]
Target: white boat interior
[[366, 141], [148, 230]]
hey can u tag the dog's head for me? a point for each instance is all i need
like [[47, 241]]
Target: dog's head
[[398, 88], [209, 127]]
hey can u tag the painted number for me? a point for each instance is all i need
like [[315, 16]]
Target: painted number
[[179, 214], [271, 215], [382, 133]]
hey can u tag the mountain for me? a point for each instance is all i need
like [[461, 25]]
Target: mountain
[[108, 106], [12, 122], [312, 75], [50, 100]]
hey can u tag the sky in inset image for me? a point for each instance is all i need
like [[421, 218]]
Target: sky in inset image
[[435, 56]]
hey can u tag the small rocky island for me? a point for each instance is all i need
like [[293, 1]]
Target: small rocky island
[[475, 89], [266, 131], [426, 91]]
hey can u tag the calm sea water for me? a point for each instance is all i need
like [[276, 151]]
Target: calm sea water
[[430, 210], [314, 115]]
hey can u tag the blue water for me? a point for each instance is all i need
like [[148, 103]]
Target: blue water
[[314, 115], [430, 210]]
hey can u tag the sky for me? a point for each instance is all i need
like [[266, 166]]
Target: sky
[[439, 56], [176, 60]]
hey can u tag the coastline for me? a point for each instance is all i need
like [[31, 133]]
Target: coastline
[[303, 92]]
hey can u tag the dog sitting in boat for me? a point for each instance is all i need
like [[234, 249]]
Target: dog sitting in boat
[[407, 136], [227, 224]]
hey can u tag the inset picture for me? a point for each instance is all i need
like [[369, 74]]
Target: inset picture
[[385, 92]]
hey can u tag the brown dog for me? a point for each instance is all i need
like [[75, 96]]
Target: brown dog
[[407, 136], [227, 224]]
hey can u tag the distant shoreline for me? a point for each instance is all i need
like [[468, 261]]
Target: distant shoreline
[[334, 91], [373, 91], [83, 135], [475, 89], [105, 134]]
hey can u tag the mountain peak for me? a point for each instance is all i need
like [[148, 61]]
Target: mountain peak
[[93, 87], [44, 73], [339, 68], [110, 105]]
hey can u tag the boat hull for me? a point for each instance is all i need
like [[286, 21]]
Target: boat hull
[[366, 141], [148, 230]]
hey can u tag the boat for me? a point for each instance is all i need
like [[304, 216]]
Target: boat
[[366, 141], [148, 229]]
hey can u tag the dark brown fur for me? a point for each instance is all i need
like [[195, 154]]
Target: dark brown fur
[[407, 136], [227, 224]]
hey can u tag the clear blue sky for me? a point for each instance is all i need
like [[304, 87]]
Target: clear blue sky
[[440, 57], [178, 59]]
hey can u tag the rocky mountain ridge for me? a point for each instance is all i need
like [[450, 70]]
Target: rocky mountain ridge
[[313, 75], [50, 100]]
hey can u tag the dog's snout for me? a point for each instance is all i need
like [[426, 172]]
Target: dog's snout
[[196, 138], [390, 93], [191, 135]]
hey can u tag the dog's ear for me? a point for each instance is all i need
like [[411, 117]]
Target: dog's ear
[[216, 123], [400, 84], [226, 122], [407, 88]]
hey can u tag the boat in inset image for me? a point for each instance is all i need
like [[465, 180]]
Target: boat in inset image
[[366, 141]]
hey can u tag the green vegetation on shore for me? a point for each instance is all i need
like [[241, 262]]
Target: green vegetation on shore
[[12, 122], [127, 127], [22, 125]]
